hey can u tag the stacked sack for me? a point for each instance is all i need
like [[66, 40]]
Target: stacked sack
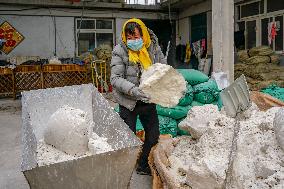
[[167, 125], [260, 66], [200, 91]]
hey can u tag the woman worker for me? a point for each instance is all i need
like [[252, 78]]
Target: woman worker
[[137, 50]]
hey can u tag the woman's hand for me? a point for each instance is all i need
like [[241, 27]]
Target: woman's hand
[[139, 94]]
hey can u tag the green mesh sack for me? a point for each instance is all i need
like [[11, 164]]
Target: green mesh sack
[[167, 125], [218, 102], [193, 77], [274, 91], [206, 92], [176, 112], [195, 103], [188, 97]]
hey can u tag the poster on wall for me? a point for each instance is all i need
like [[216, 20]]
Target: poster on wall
[[11, 37]]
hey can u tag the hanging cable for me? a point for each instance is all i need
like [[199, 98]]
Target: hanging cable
[[80, 25], [56, 33], [54, 26], [172, 32]]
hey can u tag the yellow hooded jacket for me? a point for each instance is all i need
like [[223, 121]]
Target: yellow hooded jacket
[[141, 56]]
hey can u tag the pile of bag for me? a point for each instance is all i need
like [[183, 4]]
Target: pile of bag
[[260, 66], [200, 91]]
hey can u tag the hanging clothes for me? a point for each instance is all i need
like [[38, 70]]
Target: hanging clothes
[[203, 44], [181, 53], [198, 48], [271, 32], [187, 53]]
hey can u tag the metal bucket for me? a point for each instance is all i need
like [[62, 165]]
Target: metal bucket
[[107, 170]]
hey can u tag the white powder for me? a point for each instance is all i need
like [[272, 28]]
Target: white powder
[[198, 119], [258, 162], [69, 136], [163, 84], [181, 158], [68, 130], [279, 127], [47, 154], [98, 145]]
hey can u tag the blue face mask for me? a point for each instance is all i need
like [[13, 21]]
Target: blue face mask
[[135, 44]]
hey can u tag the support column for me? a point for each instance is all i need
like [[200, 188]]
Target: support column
[[223, 37]]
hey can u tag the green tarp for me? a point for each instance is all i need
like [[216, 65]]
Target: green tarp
[[275, 91]]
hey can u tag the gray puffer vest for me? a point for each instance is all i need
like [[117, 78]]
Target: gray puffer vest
[[125, 75]]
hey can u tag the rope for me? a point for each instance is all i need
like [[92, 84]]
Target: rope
[[103, 83]]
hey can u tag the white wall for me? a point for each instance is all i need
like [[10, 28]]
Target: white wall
[[196, 9], [184, 30], [209, 33], [39, 36], [65, 37], [184, 21], [37, 27], [38, 33]]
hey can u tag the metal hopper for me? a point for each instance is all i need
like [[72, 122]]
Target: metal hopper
[[107, 170]]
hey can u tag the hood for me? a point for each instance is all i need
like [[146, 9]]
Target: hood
[[153, 38], [145, 34]]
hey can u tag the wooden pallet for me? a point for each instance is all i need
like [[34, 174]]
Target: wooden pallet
[[28, 77], [32, 77], [6, 82]]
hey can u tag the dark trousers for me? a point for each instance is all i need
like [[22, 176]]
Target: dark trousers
[[149, 119]]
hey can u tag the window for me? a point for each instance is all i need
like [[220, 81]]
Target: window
[[251, 34], [86, 24], [264, 31], [104, 39], [92, 33], [254, 17], [86, 42], [239, 36], [252, 9], [104, 24], [279, 37], [242, 26], [275, 5]]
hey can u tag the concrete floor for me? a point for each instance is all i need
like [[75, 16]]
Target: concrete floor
[[10, 150]]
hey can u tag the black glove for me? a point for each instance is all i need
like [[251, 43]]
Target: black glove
[[139, 94]]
